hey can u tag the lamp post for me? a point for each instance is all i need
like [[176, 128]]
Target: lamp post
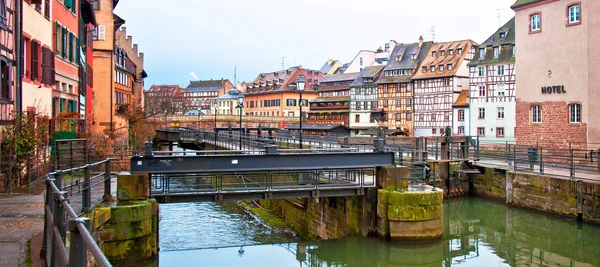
[[216, 109], [241, 107], [198, 117], [301, 82]]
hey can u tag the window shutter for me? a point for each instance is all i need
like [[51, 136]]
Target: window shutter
[[101, 32], [295, 102], [57, 38], [51, 71], [71, 48], [69, 3], [45, 65], [64, 42], [77, 52], [62, 104], [35, 66]]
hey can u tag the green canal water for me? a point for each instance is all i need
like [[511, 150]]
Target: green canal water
[[477, 232]]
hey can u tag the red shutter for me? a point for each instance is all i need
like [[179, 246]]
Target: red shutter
[[34, 61], [52, 70]]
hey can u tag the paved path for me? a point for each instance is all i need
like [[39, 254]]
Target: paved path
[[21, 218]]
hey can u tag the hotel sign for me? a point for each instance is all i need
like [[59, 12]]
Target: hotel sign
[[557, 89]]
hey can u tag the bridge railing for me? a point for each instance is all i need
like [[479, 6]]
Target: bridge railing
[[60, 218]]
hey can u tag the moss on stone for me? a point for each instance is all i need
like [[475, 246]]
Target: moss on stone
[[137, 211], [382, 210], [268, 218], [416, 198], [383, 196], [414, 213], [131, 230]]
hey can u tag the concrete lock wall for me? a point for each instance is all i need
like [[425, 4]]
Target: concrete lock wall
[[562, 196], [410, 216], [326, 217]]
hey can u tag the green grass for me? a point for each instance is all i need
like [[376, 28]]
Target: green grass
[[269, 219], [28, 254]]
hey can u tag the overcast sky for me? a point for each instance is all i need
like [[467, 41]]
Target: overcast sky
[[206, 39]]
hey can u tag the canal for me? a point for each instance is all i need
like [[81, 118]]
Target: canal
[[478, 232]]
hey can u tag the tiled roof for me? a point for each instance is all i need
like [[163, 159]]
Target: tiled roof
[[164, 88], [368, 72], [462, 100], [331, 99], [280, 80], [232, 94], [406, 62], [455, 59], [506, 44], [205, 86], [339, 77], [340, 87], [315, 126], [521, 3]]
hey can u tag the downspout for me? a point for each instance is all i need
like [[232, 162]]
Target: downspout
[[112, 80], [18, 54]]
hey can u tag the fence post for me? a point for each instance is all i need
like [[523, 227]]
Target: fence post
[[541, 160], [29, 167], [78, 250], [571, 162], [59, 214], [107, 180], [47, 206], [87, 190], [515, 157]]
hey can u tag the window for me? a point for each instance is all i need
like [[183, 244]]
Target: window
[[514, 52], [481, 71], [496, 51], [101, 32], [446, 117], [451, 51], [536, 114], [35, 60], [499, 131], [459, 51], [574, 14], [357, 118], [432, 117], [409, 87], [500, 69], [501, 89], [480, 131], [409, 116], [96, 4], [461, 115], [449, 66], [481, 53], [482, 90], [6, 80], [413, 56], [398, 88], [424, 69], [575, 113], [501, 113], [361, 61], [434, 131], [502, 35], [434, 54], [398, 116], [398, 102], [535, 22], [441, 68], [446, 82], [481, 113], [443, 52], [432, 68], [409, 102], [3, 21]]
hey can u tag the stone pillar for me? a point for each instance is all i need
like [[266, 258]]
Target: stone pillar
[[415, 215]]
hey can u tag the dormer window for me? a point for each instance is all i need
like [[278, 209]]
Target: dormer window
[[432, 68], [398, 58], [449, 67], [441, 67], [459, 51], [413, 56], [496, 51], [451, 51], [434, 54], [502, 35], [481, 53], [443, 52], [424, 69]]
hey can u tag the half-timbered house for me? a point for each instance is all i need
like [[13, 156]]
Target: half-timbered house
[[7, 61], [441, 78], [332, 106], [492, 87], [395, 89], [363, 100]]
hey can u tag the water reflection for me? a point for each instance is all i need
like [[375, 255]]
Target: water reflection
[[477, 233]]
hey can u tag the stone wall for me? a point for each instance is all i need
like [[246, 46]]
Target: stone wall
[[555, 126], [327, 217], [561, 196]]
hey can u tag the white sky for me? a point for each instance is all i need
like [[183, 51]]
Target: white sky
[[186, 38]]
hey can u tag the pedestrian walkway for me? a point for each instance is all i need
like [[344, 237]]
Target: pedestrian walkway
[[21, 218]]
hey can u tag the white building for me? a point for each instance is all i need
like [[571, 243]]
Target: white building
[[228, 104], [366, 58], [363, 100], [462, 116]]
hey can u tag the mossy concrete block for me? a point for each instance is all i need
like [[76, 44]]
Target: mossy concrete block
[[106, 234], [130, 251], [383, 196], [99, 216], [131, 230], [383, 227], [382, 210], [132, 187], [138, 211], [414, 213], [423, 231], [416, 198]]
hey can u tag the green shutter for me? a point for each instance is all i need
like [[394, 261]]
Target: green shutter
[[77, 52], [64, 42], [73, 6], [57, 38], [62, 105], [295, 102], [71, 46], [69, 3]]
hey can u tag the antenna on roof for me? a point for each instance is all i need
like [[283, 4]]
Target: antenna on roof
[[234, 74], [432, 33], [283, 63], [499, 17]]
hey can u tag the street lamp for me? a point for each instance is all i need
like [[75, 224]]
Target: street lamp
[[216, 109], [301, 82], [241, 107], [198, 117]]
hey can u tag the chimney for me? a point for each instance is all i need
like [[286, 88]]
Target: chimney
[[420, 41], [329, 61]]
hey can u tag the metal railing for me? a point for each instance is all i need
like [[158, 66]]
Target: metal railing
[[61, 217]]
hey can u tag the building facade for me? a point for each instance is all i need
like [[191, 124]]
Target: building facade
[[367, 58], [462, 118], [164, 100], [7, 62], [363, 100], [442, 76], [65, 17], [199, 94], [125, 43], [492, 81], [332, 106], [38, 59], [331, 67], [275, 94], [228, 104], [395, 88], [125, 76], [558, 81]]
